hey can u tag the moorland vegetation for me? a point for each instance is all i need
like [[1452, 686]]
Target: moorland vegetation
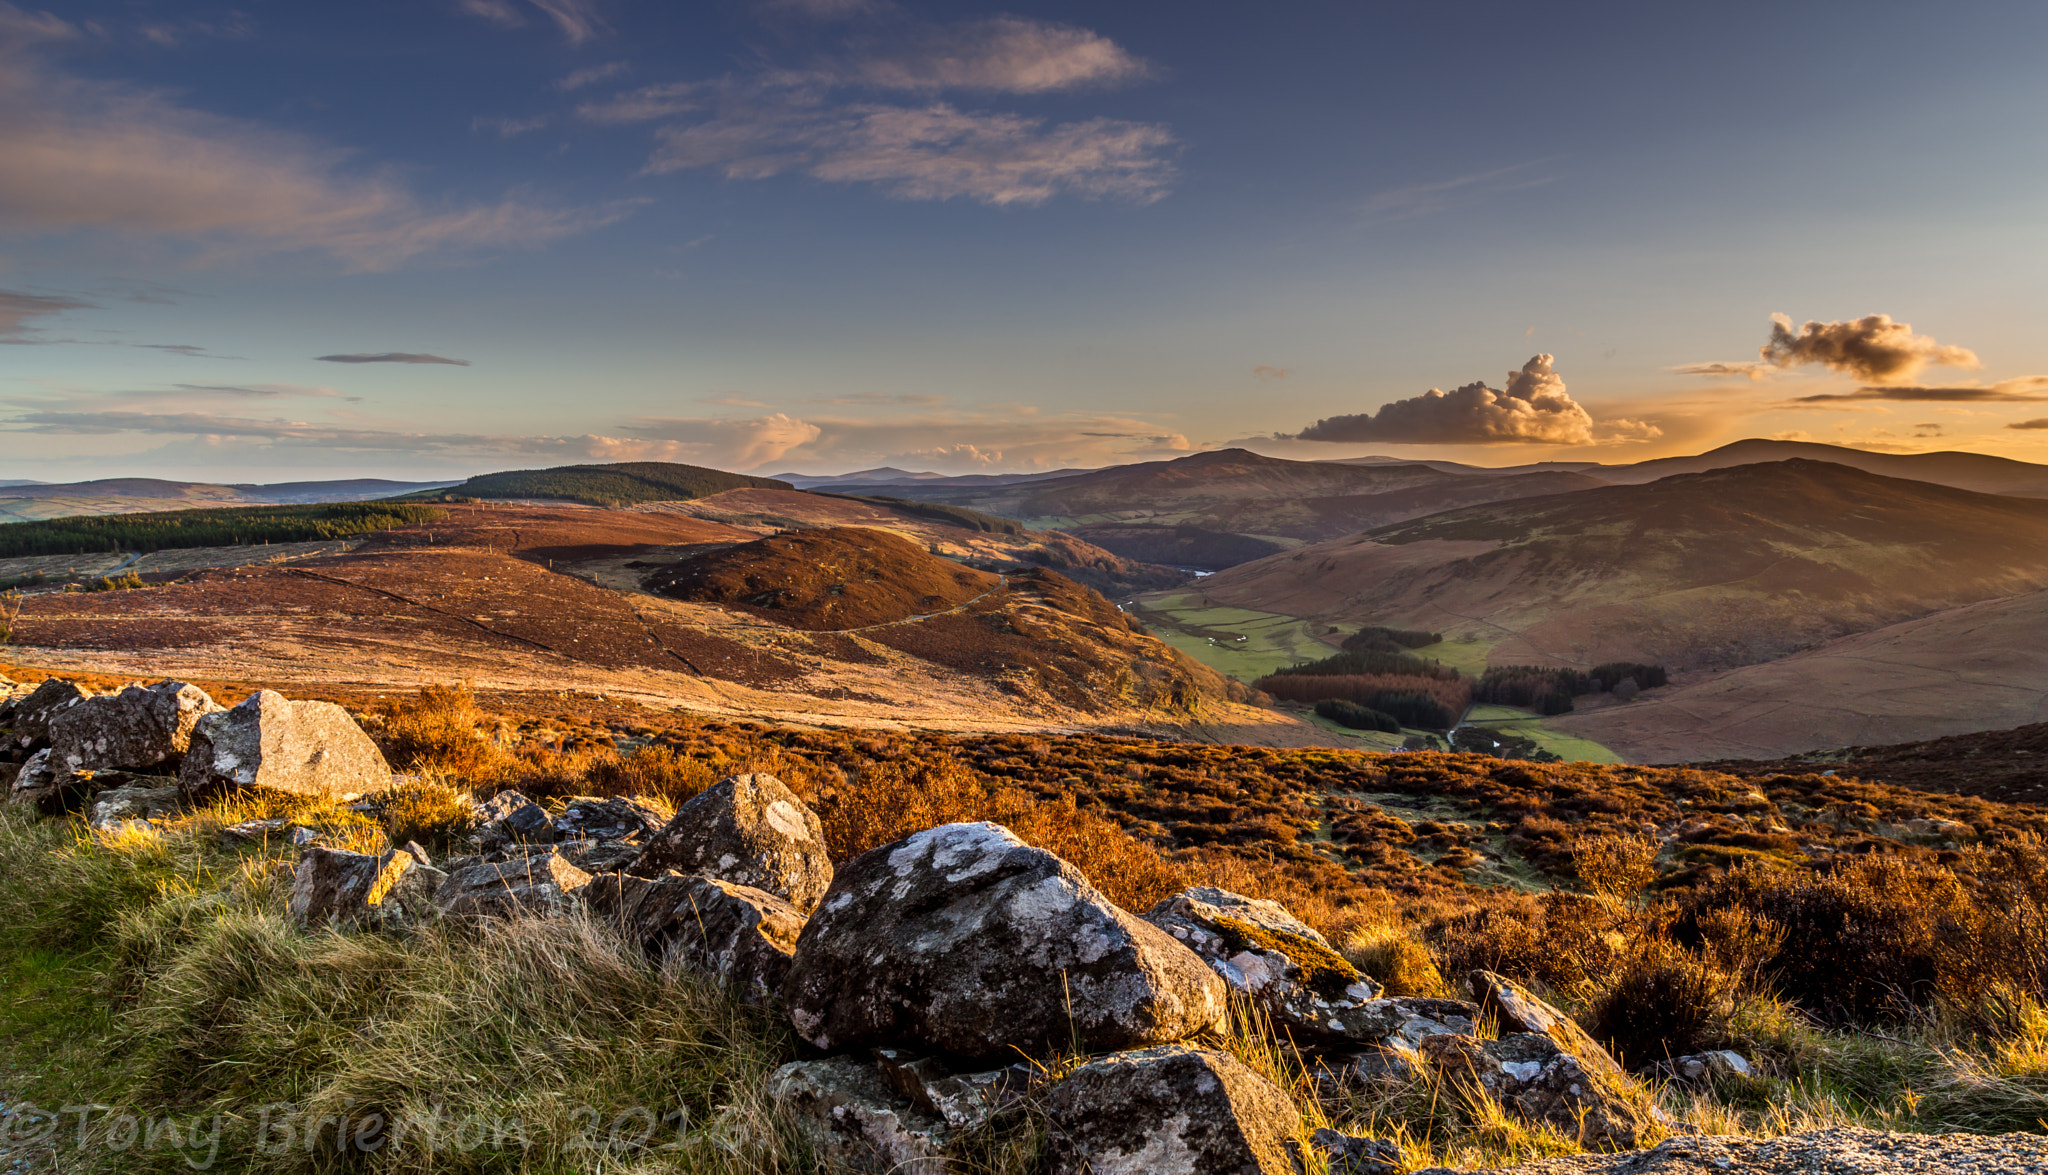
[[622, 484], [215, 527]]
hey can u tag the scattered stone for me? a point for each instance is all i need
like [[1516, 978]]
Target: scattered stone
[[1515, 1009], [1701, 1069], [138, 728], [251, 832], [540, 884], [965, 940], [136, 803], [335, 887], [1349, 1154], [32, 714], [854, 1119], [1837, 1150], [600, 856], [509, 818], [749, 830], [1171, 1110], [617, 818], [418, 853], [743, 937], [962, 1100], [307, 748], [1540, 1081], [1308, 989]]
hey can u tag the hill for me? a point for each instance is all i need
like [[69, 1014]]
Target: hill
[[1963, 669], [39, 501], [1963, 471], [1706, 570], [2008, 765], [623, 484], [826, 580]]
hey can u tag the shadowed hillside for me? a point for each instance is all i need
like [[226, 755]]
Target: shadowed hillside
[[608, 485], [826, 580], [1723, 568]]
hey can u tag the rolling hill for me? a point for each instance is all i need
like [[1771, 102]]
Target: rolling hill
[[26, 501], [826, 580], [1706, 570], [622, 484], [1963, 471]]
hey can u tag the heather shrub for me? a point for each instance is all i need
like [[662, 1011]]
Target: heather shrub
[[1659, 1001], [441, 728], [435, 814]]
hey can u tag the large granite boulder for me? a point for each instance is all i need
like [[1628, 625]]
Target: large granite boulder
[[307, 748], [1541, 1082], [854, 1119], [536, 884], [749, 830], [136, 729], [964, 939], [29, 723], [1260, 949], [743, 937], [1171, 1110], [334, 887]]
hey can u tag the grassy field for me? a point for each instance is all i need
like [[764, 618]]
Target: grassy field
[[1467, 657], [1238, 641], [1510, 720]]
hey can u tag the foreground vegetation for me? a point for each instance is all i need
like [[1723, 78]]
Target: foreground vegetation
[[224, 527], [1886, 965]]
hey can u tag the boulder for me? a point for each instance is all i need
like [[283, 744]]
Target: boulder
[[307, 748], [30, 721], [1394, 1027], [537, 884], [1538, 1080], [1171, 1110], [334, 887], [1349, 1154], [963, 939], [1260, 949], [138, 802], [749, 830], [138, 728], [962, 1100], [600, 856], [743, 937], [509, 818], [852, 1117], [1699, 1070], [617, 818], [1516, 1009]]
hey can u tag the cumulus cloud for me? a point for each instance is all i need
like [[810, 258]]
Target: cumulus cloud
[[1872, 348], [805, 122], [1533, 408], [92, 155], [18, 307], [392, 357], [2031, 389]]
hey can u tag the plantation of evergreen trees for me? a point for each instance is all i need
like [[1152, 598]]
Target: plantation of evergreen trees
[[222, 527]]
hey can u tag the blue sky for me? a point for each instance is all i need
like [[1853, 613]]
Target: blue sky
[[828, 234]]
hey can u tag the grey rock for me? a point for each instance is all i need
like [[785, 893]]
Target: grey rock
[[541, 884], [962, 1100], [1349, 1154], [963, 939], [334, 887], [508, 819], [253, 832], [618, 818], [135, 803], [1308, 989], [1541, 1082], [1516, 1009], [30, 720], [1701, 1069], [417, 852], [852, 1117], [749, 830], [743, 937], [138, 728], [1837, 1150], [600, 856], [1171, 1110], [306, 748]]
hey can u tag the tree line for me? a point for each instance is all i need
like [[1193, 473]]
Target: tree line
[[219, 527]]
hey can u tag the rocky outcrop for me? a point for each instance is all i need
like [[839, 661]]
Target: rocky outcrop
[[1265, 952], [536, 884], [1837, 1150], [307, 748], [743, 937], [1699, 1070], [964, 939], [30, 722], [509, 818], [139, 728], [1172, 1110], [1539, 1081], [1349, 1154], [963, 1100], [619, 818], [1516, 1009], [139, 803], [331, 887], [749, 830], [855, 1120]]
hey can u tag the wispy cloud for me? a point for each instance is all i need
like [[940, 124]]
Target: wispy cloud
[[1004, 54], [508, 128], [1421, 199], [578, 20], [1268, 371], [84, 154], [593, 75], [882, 399], [1754, 372], [188, 350], [392, 357], [2032, 389], [18, 307]]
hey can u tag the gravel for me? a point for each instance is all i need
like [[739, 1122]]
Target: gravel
[[1835, 1151]]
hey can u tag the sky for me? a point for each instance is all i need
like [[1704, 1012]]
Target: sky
[[431, 238]]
